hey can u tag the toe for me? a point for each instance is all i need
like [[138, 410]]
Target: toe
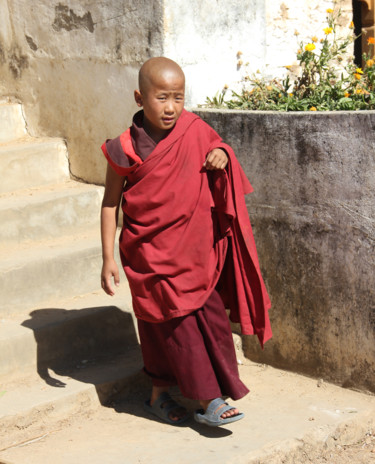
[[177, 414], [230, 413]]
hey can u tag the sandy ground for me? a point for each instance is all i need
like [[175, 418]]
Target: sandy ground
[[289, 419]]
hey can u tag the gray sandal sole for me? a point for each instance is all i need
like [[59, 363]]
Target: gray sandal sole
[[212, 415]]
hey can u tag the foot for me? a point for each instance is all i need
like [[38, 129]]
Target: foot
[[217, 412], [225, 415], [176, 413]]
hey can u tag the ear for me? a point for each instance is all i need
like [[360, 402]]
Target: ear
[[138, 98]]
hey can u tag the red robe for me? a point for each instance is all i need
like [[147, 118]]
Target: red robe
[[177, 221]]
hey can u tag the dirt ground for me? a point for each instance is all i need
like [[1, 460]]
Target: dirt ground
[[289, 419], [362, 452]]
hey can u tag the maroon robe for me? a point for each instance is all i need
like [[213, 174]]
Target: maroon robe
[[177, 220]]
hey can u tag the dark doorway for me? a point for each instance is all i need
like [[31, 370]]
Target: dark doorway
[[357, 20]]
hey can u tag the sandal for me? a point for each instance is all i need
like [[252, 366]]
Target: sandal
[[162, 407], [213, 412]]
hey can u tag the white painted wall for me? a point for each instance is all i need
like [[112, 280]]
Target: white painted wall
[[205, 36]]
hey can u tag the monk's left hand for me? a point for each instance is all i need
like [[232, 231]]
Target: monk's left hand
[[216, 159]]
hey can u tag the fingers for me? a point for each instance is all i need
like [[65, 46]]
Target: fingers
[[109, 271], [216, 159], [107, 282], [107, 287]]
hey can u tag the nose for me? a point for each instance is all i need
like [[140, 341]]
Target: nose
[[169, 107]]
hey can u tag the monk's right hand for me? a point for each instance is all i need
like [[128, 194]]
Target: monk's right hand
[[110, 270]]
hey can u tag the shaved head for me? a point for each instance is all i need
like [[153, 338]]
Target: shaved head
[[158, 69]]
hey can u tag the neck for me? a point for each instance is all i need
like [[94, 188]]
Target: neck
[[156, 135]]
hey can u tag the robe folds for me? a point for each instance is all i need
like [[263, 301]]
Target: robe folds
[[186, 230]]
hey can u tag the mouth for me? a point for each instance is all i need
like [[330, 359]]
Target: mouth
[[168, 120]]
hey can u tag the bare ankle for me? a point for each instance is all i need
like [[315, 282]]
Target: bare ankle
[[156, 392]]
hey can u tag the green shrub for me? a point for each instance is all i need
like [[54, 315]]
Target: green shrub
[[325, 81]]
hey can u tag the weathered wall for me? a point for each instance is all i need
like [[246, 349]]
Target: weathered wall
[[313, 212], [74, 66], [74, 63], [205, 36]]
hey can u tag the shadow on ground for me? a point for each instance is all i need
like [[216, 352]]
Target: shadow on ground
[[83, 344], [99, 346]]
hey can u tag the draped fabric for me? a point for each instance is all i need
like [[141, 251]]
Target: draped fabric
[[179, 222]]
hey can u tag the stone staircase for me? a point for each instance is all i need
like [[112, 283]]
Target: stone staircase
[[65, 346]]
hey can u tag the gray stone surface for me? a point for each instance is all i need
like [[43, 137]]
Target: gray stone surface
[[313, 213], [53, 269], [32, 162], [62, 332], [43, 213]]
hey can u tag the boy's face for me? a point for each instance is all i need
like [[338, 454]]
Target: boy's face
[[163, 102]]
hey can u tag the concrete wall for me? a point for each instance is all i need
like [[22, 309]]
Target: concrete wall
[[74, 66], [73, 63], [313, 212]]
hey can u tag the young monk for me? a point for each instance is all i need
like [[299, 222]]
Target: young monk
[[186, 237]]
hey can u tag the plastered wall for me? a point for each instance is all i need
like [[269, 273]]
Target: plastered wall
[[74, 67], [313, 214]]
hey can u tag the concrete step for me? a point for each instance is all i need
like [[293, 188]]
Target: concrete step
[[288, 419], [66, 331], [30, 276], [12, 122], [30, 406], [49, 211], [31, 162]]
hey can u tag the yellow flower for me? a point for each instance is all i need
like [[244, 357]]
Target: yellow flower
[[371, 40], [299, 51], [280, 95], [314, 39], [290, 94], [357, 76], [313, 108], [359, 91], [329, 10], [269, 87], [359, 71], [370, 63], [351, 25], [288, 66], [328, 30], [346, 94], [310, 47]]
